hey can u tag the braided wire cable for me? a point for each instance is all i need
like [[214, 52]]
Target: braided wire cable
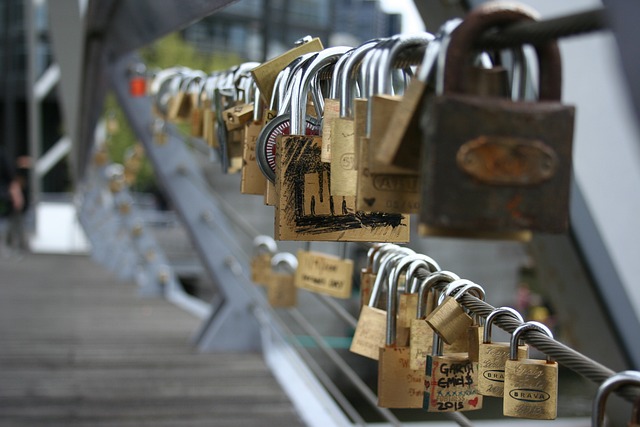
[[559, 352]]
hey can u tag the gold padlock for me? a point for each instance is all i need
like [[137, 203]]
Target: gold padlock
[[399, 386], [264, 248], [408, 298], [450, 319], [530, 385], [493, 356], [370, 333], [281, 289], [420, 333], [613, 383], [450, 381]]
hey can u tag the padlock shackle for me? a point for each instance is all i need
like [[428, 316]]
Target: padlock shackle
[[491, 16], [324, 58], [264, 244], [285, 260], [371, 254], [334, 90], [349, 74], [434, 49], [402, 42], [523, 329], [500, 311], [428, 264], [285, 90], [614, 382], [387, 263], [392, 306], [438, 279], [378, 256], [405, 262], [461, 287]]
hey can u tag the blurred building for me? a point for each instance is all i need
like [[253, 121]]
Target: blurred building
[[13, 87], [260, 29]]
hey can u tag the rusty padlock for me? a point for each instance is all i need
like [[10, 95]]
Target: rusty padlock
[[494, 167]]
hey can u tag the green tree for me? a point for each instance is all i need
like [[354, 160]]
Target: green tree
[[166, 52]]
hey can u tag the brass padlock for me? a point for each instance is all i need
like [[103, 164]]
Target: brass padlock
[[408, 298], [370, 333], [420, 333], [399, 386], [450, 381], [449, 318], [493, 356], [621, 379], [390, 193], [281, 289], [264, 248], [252, 180], [530, 385], [493, 167], [331, 110], [306, 208], [346, 129]]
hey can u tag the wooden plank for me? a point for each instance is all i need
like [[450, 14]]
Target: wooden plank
[[78, 348]]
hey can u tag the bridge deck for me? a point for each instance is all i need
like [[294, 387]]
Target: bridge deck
[[78, 348]]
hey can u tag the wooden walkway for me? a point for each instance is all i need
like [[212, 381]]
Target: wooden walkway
[[78, 348]]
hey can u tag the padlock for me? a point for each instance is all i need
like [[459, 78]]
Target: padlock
[[530, 385], [281, 290], [196, 122], [493, 167], [397, 147], [493, 355], [252, 180], [385, 192], [370, 333], [324, 273], [382, 107], [621, 379], [183, 101], [331, 111], [420, 333], [450, 381], [278, 123], [264, 248], [399, 386], [346, 129], [378, 257], [163, 88], [137, 74], [306, 208], [449, 319], [408, 298]]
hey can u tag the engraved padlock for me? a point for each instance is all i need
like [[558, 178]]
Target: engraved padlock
[[621, 379], [450, 381], [493, 356], [399, 386], [530, 385], [492, 166], [420, 333], [449, 319]]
